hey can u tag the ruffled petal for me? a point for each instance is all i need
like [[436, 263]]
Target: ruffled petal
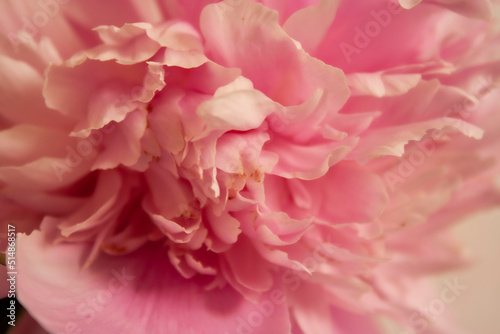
[[123, 294]]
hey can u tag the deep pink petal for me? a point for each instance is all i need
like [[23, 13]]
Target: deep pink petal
[[123, 294]]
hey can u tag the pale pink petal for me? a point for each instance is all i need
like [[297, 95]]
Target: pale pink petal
[[380, 84], [18, 80], [127, 45], [481, 9], [121, 144], [309, 25], [47, 173], [24, 143], [277, 67], [357, 197], [392, 141], [236, 106], [307, 161]]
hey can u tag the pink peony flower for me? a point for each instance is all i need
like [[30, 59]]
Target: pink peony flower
[[241, 167]]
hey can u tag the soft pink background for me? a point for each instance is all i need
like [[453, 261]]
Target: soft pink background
[[476, 310]]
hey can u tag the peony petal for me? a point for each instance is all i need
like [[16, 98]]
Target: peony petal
[[123, 294], [47, 173], [236, 106], [96, 210], [127, 45], [350, 322], [358, 195], [380, 84], [248, 267], [307, 161], [409, 4], [94, 92], [309, 25], [23, 143], [166, 123], [18, 80], [481, 9], [276, 67], [392, 141], [225, 227], [310, 307], [121, 142]]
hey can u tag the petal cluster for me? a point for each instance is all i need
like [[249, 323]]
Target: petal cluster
[[240, 166]]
